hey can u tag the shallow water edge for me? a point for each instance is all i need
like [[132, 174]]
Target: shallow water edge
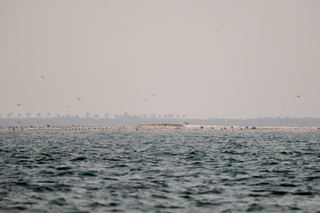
[[166, 128]]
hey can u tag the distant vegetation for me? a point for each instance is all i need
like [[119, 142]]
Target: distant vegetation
[[127, 119], [175, 125]]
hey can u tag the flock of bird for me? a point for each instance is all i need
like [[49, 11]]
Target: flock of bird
[[79, 98]]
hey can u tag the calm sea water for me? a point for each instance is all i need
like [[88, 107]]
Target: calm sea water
[[159, 172]]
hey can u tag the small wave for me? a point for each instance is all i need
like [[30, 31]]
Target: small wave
[[159, 171]]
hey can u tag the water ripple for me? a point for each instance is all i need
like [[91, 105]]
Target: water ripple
[[159, 172]]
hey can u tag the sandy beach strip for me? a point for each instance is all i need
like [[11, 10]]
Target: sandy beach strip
[[164, 128]]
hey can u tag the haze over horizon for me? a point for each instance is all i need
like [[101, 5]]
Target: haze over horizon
[[204, 59]]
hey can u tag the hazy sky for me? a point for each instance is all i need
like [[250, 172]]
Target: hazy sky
[[205, 59]]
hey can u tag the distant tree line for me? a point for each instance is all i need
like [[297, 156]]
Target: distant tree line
[[127, 119]]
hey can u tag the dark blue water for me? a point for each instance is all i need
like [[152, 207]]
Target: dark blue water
[[159, 172]]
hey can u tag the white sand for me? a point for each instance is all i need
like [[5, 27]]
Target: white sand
[[189, 128]]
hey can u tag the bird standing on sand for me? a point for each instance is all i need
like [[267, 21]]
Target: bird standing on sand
[[79, 98], [298, 96], [42, 77], [153, 94], [18, 104]]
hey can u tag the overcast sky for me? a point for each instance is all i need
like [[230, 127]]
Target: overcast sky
[[205, 59]]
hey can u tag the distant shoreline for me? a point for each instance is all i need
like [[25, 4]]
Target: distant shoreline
[[164, 128]]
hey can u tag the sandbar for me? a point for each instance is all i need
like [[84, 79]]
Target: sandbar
[[164, 128]]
